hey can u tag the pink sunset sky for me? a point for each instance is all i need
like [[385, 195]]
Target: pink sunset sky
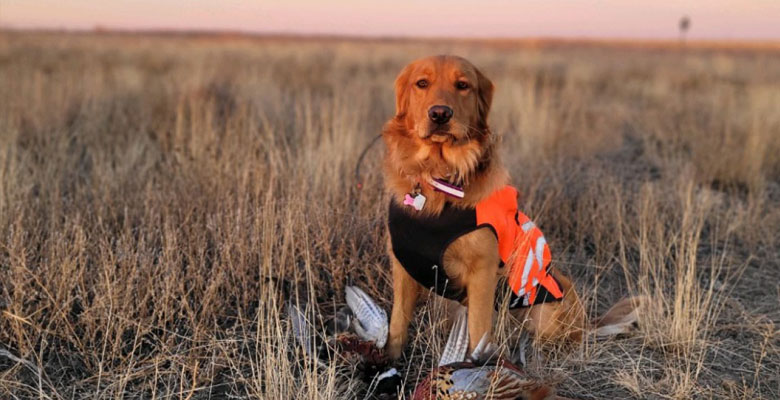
[[646, 19]]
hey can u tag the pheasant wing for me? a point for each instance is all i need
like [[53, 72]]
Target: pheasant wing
[[370, 321], [458, 341]]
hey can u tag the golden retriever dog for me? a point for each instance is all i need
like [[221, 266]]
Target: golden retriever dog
[[454, 226]]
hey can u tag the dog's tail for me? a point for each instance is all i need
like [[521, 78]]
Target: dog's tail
[[621, 318]]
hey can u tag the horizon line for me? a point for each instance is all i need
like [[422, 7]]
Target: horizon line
[[100, 29]]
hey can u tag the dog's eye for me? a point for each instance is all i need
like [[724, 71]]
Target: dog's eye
[[422, 84], [460, 85]]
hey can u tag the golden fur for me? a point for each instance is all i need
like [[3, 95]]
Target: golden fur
[[464, 153]]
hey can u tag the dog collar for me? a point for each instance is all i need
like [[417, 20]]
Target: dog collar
[[416, 199], [447, 188]]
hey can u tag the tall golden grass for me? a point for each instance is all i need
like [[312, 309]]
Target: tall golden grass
[[162, 198]]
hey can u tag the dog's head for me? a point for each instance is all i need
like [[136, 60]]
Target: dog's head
[[443, 98]]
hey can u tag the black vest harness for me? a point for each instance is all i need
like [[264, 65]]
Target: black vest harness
[[419, 243]]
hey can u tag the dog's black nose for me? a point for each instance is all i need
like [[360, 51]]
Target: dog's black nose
[[440, 114]]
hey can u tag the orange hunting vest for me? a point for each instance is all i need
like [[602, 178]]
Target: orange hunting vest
[[521, 244]]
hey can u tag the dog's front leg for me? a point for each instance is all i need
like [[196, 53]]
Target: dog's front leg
[[481, 287], [472, 261], [405, 292]]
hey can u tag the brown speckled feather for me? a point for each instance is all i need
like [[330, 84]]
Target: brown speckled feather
[[468, 381]]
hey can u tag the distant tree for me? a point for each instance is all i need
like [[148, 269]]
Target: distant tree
[[685, 24]]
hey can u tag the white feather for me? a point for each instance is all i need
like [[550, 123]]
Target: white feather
[[370, 321], [300, 328], [390, 372], [458, 341], [520, 358], [485, 350]]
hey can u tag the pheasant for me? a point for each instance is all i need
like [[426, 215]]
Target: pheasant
[[358, 336], [456, 377]]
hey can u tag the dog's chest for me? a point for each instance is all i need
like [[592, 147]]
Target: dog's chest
[[419, 243]]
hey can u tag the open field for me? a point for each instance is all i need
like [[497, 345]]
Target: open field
[[162, 197]]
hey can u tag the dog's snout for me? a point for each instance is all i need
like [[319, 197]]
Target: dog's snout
[[440, 114]]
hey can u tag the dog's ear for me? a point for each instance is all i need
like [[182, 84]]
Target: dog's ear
[[402, 92], [484, 98]]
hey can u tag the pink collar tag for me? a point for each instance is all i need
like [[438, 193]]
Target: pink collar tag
[[417, 201]]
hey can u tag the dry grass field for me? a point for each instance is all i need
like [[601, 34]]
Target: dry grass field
[[163, 197]]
